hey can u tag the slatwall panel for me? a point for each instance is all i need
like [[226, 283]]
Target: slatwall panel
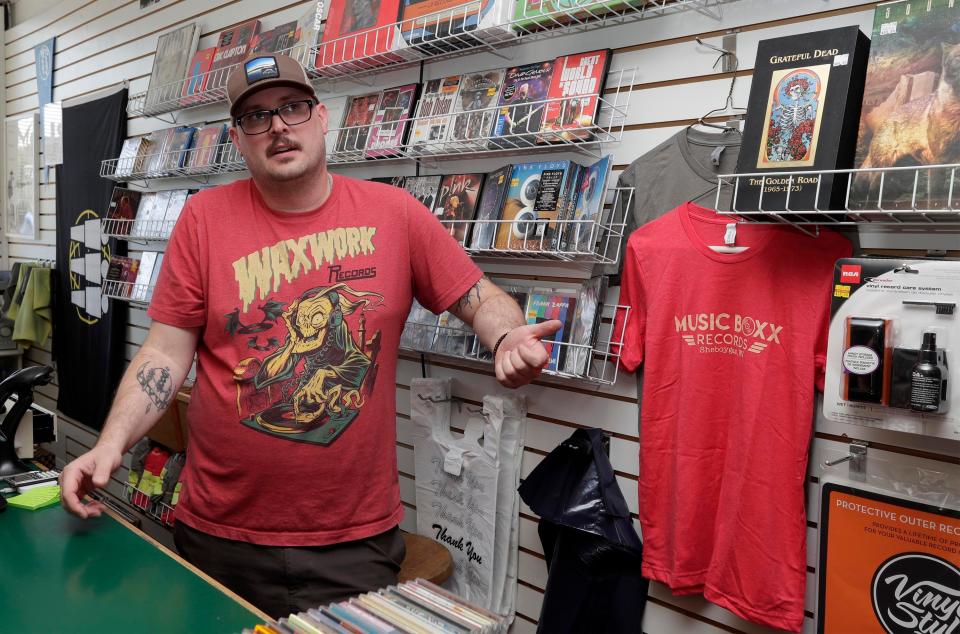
[[103, 42]]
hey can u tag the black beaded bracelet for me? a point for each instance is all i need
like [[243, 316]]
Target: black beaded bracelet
[[496, 346]]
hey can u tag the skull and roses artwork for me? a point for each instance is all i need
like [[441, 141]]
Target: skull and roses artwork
[[794, 111]]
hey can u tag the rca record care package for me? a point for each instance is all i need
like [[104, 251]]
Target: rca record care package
[[894, 337], [887, 564]]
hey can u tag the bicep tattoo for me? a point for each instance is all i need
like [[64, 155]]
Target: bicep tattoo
[[472, 296], [157, 384]]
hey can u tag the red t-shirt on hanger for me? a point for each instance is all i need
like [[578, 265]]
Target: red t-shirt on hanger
[[732, 346]]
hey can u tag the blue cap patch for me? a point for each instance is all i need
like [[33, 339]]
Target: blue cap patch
[[260, 68]]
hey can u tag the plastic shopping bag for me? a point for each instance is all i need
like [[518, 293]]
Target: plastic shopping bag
[[466, 490]]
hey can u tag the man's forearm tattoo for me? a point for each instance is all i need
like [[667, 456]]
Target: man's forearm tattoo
[[473, 294], [157, 384]]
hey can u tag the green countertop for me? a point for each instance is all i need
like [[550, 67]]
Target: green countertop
[[62, 574]]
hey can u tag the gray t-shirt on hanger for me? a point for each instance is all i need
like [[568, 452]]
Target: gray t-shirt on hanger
[[680, 169]]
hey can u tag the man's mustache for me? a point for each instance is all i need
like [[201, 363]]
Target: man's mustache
[[282, 143]]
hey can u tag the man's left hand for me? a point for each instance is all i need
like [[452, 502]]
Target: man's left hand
[[521, 355]]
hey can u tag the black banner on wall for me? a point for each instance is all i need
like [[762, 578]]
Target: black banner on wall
[[88, 341]]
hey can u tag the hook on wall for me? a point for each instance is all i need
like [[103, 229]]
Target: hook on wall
[[857, 459]]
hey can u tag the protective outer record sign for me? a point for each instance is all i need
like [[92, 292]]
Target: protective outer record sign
[[887, 565]]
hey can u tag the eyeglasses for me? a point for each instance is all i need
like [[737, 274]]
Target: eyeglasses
[[293, 113]]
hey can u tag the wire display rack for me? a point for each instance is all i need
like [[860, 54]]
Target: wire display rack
[[128, 291], [137, 229], [197, 90], [461, 31], [348, 144], [220, 159], [597, 364], [455, 138], [384, 48], [927, 195], [594, 240], [157, 509]]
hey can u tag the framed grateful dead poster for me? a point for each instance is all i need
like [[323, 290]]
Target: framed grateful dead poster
[[22, 199], [794, 112], [888, 565]]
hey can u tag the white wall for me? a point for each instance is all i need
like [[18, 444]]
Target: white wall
[[101, 42], [24, 10]]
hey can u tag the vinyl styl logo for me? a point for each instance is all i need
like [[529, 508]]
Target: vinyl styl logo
[[917, 593]]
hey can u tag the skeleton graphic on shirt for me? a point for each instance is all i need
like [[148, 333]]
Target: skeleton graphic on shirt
[[313, 384]]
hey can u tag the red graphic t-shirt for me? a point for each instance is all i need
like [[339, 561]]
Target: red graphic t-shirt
[[732, 345], [293, 416]]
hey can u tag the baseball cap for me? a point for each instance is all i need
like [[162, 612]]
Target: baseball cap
[[260, 71]]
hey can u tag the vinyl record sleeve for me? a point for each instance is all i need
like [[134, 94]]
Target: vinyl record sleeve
[[391, 121], [232, 46], [532, 15], [910, 105], [124, 205], [492, 198], [423, 188], [310, 28], [434, 114], [588, 205], [279, 39], [456, 201], [170, 63], [580, 80], [475, 110], [205, 147], [522, 104], [802, 116], [197, 76], [154, 159], [586, 324], [548, 304], [533, 203], [438, 26], [176, 153], [360, 29], [357, 117], [178, 198], [131, 159]]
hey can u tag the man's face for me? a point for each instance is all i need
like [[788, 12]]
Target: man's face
[[284, 152]]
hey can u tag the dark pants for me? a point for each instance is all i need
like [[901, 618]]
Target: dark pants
[[283, 580]]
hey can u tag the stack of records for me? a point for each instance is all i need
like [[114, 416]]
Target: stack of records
[[417, 607]]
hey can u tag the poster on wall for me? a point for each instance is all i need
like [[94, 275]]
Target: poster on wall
[[887, 565], [23, 190]]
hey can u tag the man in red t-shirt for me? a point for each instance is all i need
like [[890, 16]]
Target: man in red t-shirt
[[292, 288]]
